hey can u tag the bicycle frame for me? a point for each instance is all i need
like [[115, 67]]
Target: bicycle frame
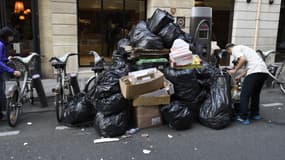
[[23, 90]]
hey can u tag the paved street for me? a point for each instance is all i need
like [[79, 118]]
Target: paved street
[[262, 140]]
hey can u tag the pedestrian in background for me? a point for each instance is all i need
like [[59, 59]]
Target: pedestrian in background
[[255, 74], [6, 36]]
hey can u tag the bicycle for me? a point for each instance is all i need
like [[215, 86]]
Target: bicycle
[[276, 71], [67, 85], [97, 68], [18, 95]]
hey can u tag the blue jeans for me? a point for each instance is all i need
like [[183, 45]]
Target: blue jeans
[[251, 89], [2, 94]]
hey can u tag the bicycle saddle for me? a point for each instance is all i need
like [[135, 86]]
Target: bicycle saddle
[[26, 60]]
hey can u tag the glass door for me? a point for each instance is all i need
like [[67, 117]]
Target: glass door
[[113, 12], [90, 30], [102, 23]]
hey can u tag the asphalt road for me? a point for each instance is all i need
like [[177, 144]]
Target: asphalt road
[[262, 140]]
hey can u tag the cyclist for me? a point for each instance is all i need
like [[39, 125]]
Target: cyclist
[[6, 36], [255, 74]]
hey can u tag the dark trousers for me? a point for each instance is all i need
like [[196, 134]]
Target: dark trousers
[[250, 92], [2, 94]]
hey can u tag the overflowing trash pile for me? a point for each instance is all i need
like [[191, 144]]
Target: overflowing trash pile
[[187, 90]]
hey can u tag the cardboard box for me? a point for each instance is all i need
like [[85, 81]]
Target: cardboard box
[[130, 91], [157, 97], [147, 116], [142, 76]]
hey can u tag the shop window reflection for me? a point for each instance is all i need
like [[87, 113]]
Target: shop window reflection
[[19, 17], [102, 23]]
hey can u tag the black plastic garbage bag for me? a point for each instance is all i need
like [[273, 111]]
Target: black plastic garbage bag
[[216, 111], [170, 33], [123, 42], [141, 37], [207, 74], [150, 41], [111, 126], [120, 55], [187, 37], [186, 84], [79, 110], [177, 115], [159, 20], [108, 83], [111, 105]]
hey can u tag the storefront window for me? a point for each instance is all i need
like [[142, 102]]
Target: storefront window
[[103, 22], [22, 16], [19, 17]]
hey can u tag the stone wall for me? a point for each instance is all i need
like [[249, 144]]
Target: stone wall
[[183, 8], [244, 24], [58, 32]]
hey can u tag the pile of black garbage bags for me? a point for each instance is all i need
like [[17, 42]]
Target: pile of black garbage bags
[[201, 94], [158, 32]]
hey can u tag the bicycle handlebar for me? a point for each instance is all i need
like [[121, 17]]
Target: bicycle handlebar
[[54, 58], [64, 58]]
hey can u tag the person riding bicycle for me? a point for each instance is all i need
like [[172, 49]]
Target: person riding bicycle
[[255, 75], [6, 36]]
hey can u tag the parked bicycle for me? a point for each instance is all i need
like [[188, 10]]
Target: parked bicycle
[[276, 70], [18, 95], [67, 84], [97, 68]]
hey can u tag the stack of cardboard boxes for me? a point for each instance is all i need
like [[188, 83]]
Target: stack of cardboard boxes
[[181, 57], [148, 89]]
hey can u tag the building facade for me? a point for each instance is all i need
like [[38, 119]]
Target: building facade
[[60, 26]]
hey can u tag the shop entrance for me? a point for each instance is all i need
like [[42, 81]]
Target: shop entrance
[[101, 23]]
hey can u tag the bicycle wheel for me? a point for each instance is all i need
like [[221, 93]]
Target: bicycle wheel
[[281, 77], [13, 110], [91, 82], [59, 107]]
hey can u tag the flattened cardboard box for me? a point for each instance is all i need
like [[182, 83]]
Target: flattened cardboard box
[[157, 97], [153, 98], [147, 116], [130, 91]]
